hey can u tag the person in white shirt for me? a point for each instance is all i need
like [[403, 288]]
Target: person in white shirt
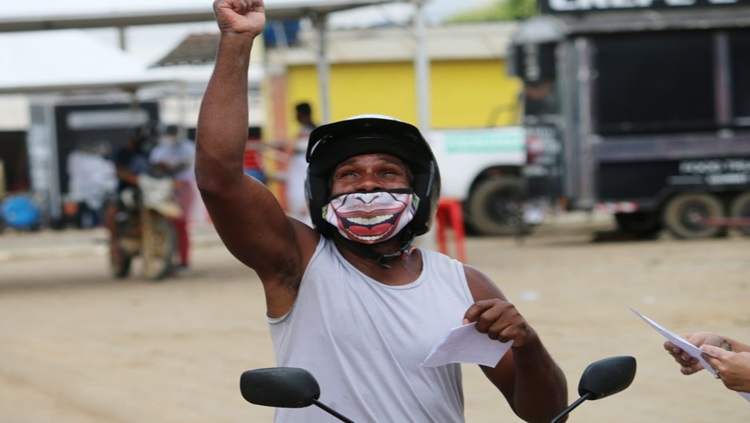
[[92, 179], [297, 166], [176, 155]]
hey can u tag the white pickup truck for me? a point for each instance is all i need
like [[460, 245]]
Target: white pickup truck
[[482, 168]]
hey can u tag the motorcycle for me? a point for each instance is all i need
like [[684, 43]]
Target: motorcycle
[[291, 387], [143, 228]]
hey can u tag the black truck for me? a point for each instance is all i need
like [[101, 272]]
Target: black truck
[[641, 107]]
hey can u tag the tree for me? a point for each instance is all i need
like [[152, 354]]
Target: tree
[[500, 10]]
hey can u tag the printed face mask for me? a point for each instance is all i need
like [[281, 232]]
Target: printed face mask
[[371, 217]]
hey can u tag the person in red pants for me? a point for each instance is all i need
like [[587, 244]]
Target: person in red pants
[[177, 155]]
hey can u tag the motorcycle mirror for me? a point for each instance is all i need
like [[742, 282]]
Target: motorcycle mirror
[[601, 379], [282, 387], [607, 377]]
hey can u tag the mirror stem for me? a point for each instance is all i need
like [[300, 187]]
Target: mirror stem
[[331, 411], [571, 407]]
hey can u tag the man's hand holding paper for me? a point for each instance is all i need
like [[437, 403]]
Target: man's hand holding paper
[[464, 344]]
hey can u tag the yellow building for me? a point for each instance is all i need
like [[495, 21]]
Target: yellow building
[[372, 71]]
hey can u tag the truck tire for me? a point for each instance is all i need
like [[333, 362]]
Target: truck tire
[[642, 225], [684, 213], [740, 208], [495, 207]]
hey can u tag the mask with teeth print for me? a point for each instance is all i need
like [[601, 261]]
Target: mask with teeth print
[[371, 217]]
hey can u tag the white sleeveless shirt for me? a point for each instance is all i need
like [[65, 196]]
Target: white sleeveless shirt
[[364, 341]]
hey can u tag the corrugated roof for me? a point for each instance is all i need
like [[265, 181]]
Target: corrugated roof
[[450, 42], [196, 49]]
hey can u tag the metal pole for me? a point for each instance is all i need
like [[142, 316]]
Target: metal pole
[[422, 68], [55, 190], [422, 78], [324, 77], [122, 38]]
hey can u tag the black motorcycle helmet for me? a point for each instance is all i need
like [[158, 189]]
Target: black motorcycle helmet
[[330, 144]]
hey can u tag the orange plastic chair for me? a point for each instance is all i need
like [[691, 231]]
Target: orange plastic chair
[[450, 214]]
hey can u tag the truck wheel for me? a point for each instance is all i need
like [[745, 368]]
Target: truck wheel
[[684, 213], [740, 208], [642, 225], [495, 207]]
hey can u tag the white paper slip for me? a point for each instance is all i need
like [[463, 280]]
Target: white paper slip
[[464, 344], [684, 345]]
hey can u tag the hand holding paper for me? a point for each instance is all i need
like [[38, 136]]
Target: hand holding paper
[[690, 349], [464, 344], [687, 347]]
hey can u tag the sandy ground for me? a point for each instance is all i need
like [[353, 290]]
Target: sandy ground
[[78, 347]]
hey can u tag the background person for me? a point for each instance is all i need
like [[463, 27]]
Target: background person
[[130, 160], [176, 155], [351, 300], [92, 180], [729, 357], [297, 166]]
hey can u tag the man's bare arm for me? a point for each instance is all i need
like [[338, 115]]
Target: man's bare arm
[[246, 215]]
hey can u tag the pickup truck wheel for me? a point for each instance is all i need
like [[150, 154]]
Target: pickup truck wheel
[[740, 208], [642, 225], [495, 207], [684, 213]]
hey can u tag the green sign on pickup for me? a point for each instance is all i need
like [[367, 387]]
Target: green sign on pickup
[[485, 141]]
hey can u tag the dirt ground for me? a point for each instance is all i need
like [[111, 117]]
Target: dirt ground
[[78, 347]]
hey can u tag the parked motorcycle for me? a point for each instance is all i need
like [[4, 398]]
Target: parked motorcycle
[[143, 228], [290, 387]]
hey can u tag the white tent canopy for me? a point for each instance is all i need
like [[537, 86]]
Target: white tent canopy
[[68, 61]]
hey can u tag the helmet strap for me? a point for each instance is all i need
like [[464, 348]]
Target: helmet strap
[[365, 251]]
